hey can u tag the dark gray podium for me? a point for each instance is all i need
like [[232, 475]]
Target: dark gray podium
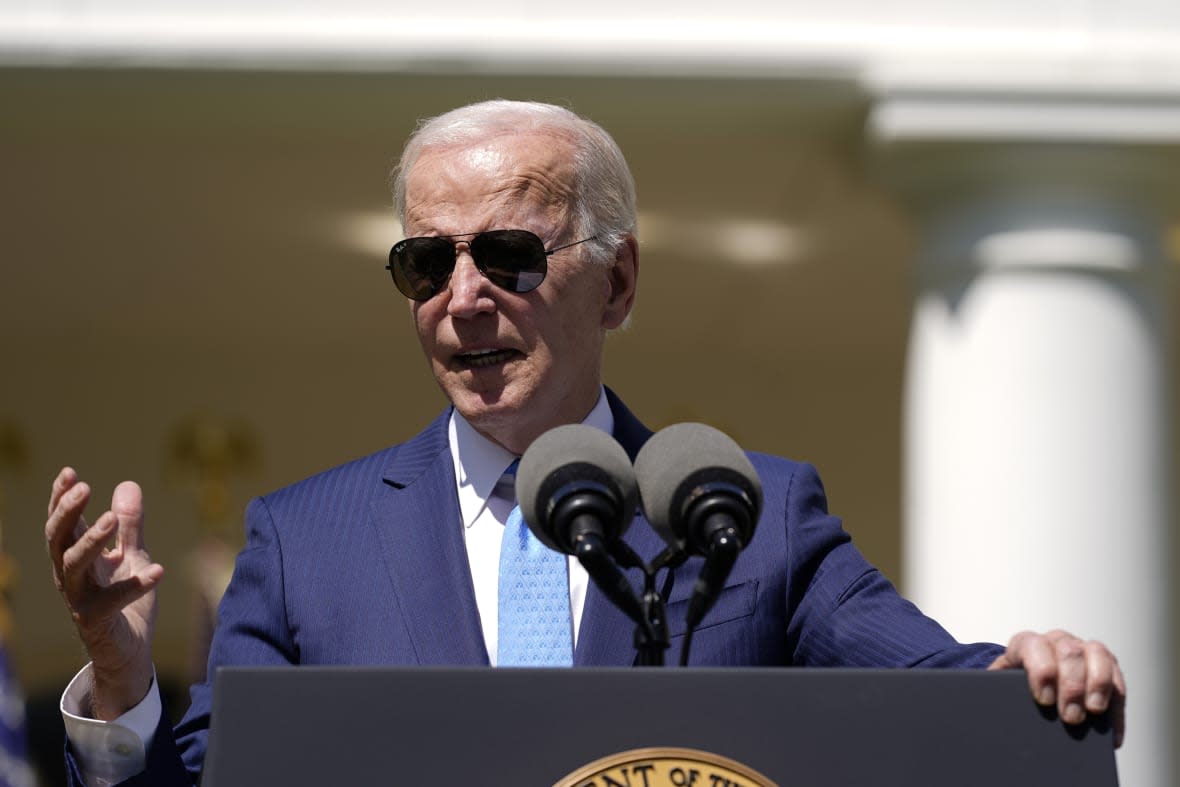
[[533, 728]]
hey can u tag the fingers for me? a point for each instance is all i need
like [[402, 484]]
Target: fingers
[[83, 563], [1100, 669], [1077, 676], [68, 499], [1106, 689], [1071, 676], [1118, 707], [78, 559], [102, 604], [1036, 655], [65, 479], [93, 596]]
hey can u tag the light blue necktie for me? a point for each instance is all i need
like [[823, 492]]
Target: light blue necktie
[[534, 600]]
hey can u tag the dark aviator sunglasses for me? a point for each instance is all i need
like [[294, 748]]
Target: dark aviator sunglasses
[[515, 260]]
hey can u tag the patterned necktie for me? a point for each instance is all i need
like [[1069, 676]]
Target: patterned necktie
[[535, 627]]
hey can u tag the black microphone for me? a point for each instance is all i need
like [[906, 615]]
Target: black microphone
[[576, 489], [701, 494]]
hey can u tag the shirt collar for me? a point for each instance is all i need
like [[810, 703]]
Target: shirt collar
[[479, 462]]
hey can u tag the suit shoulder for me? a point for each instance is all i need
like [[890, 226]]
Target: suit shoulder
[[334, 482], [774, 471], [391, 463]]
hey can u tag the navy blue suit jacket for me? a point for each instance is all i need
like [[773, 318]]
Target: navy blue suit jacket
[[366, 564]]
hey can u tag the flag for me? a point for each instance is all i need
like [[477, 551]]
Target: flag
[[15, 770]]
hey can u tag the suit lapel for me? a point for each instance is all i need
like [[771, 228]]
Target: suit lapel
[[416, 515], [606, 635], [417, 520]]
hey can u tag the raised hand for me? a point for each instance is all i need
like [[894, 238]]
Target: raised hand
[[108, 581]]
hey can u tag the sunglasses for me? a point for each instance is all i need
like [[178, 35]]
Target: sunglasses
[[515, 260]]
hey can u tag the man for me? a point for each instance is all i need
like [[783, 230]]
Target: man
[[522, 254]]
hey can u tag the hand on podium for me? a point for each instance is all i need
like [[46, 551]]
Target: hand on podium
[[1076, 675]]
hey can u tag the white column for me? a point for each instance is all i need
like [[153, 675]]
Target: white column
[[1036, 436]]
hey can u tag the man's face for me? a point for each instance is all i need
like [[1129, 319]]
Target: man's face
[[514, 364]]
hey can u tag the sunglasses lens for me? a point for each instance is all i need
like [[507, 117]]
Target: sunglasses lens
[[512, 259], [421, 266]]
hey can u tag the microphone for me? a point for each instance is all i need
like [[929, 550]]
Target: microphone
[[701, 494], [576, 480], [577, 492]]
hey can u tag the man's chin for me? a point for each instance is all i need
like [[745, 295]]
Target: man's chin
[[505, 419], [488, 407]]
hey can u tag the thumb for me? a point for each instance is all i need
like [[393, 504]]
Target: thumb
[[1004, 661], [127, 505]]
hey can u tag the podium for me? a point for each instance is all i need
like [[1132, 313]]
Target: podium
[[636, 727]]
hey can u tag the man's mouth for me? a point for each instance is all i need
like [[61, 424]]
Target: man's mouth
[[479, 359]]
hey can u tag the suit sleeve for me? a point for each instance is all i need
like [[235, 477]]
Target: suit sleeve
[[843, 611]]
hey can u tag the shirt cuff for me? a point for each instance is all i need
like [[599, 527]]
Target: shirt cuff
[[109, 752]]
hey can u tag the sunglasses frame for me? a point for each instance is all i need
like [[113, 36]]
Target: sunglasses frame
[[397, 261]]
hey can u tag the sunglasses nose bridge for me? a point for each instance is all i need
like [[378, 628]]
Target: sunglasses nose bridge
[[467, 284], [465, 261]]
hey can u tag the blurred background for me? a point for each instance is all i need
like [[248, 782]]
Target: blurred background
[[929, 247]]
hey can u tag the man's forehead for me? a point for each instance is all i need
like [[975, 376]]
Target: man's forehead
[[486, 157], [536, 167], [502, 152]]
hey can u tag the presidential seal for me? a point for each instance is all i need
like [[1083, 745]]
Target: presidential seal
[[665, 767]]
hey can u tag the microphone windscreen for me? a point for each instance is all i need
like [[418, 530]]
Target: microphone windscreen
[[678, 459], [573, 454]]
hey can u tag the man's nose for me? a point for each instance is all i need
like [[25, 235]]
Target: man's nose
[[470, 289]]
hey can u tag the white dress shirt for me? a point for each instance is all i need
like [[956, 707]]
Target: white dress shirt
[[109, 752], [479, 466]]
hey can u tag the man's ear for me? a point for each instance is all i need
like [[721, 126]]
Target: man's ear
[[623, 280]]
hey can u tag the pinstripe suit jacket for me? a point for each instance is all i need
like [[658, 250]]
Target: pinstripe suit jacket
[[366, 564]]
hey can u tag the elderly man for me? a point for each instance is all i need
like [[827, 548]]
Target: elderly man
[[520, 256]]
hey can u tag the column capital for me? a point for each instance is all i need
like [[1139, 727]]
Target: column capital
[[1002, 174], [943, 143]]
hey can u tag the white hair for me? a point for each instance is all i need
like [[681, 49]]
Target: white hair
[[604, 199]]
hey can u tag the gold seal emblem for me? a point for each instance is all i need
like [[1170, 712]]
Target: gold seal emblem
[[665, 767]]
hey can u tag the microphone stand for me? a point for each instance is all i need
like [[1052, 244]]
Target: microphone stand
[[651, 629], [582, 513]]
